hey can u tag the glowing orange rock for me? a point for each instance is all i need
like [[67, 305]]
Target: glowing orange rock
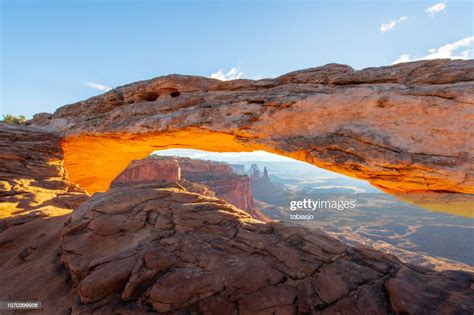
[[403, 128]]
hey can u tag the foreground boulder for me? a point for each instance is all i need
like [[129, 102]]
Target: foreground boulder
[[174, 248], [158, 247]]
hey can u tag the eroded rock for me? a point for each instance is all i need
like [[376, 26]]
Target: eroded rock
[[215, 258], [403, 128]]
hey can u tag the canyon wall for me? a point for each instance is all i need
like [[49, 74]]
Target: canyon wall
[[221, 178], [403, 128], [150, 170]]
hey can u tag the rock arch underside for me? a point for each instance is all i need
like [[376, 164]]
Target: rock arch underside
[[162, 247], [403, 128]]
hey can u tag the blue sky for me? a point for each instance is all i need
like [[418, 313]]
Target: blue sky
[[230, 157], [59, 52]]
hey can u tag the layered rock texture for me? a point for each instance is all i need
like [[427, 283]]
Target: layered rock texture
[[403, 128], [172, 247]]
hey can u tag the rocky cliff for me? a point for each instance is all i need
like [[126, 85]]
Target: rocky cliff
[[222, 179], [264, 190], [219, 177], [403, 128]]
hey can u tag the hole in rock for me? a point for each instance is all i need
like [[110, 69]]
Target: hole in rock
[[175, 94], [151, 96]]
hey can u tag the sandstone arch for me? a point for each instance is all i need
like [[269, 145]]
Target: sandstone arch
[[116, 245], [403, 128]]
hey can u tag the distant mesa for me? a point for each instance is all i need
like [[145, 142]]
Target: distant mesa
[[263, 189]]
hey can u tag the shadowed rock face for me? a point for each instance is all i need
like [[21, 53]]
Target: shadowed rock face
[[403, 128]]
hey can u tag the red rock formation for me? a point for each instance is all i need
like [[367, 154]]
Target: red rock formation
[[190, 166], [150, 170], [233, 188], [404, 128], [220, 177], [264, 190]]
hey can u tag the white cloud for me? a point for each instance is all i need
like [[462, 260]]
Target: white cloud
[[449, 51], [233, 74], [391, 24], [97, 86], [436, 8], [402, 58]]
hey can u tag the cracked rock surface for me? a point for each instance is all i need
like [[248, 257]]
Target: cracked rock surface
[[161, 248]]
